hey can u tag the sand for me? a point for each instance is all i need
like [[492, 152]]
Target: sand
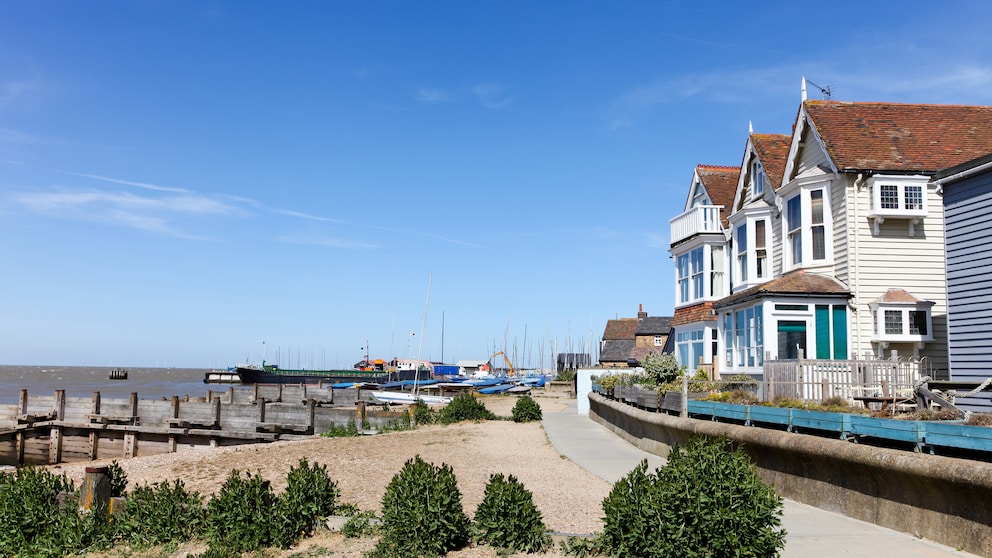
[[568, 496]]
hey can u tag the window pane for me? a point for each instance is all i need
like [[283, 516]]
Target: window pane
[[759, 234], [914, 197], [819, 242], [796, 241], [742, 239], [816, 206], [793, 213], [889, 196], [893, 322], [917, 322]]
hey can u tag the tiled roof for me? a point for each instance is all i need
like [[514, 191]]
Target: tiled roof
[[901, 137], [898, 295], [693, 314], [721, 185], [773, 152], [654, 325], [621, 328], [616, 351], [795, 283]]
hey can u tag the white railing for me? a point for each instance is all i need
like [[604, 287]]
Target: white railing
[[816, 380], [699, 219]]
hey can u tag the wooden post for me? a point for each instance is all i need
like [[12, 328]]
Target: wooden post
[[22, 402], [684, 412], [261, 408], [55, 433], [230, 395], [129, 435], [279, 396], [94, 434], [216, 413], [94, 495], [175, 415], [311, 414], [360, 414], [21, 441]]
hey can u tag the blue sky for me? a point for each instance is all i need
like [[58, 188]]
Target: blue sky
[[181, 181]]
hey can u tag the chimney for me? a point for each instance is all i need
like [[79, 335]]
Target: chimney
[[641, 314]]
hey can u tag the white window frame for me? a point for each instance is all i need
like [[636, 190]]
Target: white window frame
[[659, 340], [741, 233], [805, 229], [901, 184], [685, 341], [744, 348], [757, 180], [698, 277], [904, 311]]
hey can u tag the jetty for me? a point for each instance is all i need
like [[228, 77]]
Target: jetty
[[50, 429]]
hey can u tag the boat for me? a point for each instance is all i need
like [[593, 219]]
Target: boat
[[229, 376], [407, 398], [272, 374], [117, 374]]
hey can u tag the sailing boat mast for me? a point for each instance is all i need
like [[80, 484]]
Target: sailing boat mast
[[423, 326]]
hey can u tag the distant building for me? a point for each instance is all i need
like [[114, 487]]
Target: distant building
[[573, 361], [626, 341]]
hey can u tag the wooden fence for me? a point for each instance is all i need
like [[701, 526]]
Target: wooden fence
[[54, 428], [816, 380]]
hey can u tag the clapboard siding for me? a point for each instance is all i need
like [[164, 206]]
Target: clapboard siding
[[967, 207], [811, 155]]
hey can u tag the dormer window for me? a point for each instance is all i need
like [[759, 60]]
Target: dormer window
[[808, 228], [757, 180], [898, 197]]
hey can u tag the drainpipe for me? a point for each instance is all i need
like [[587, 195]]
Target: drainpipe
[[858, 183]]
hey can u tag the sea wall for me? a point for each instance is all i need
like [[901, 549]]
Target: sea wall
[[939, 498]]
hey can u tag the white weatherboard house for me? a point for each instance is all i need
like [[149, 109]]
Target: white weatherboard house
[[832, 244]]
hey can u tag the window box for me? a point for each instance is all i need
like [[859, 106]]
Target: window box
[[956, 435], [889, 429], [821, 420], [769, 415]]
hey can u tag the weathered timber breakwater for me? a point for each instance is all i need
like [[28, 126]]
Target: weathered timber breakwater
[[49, 429]]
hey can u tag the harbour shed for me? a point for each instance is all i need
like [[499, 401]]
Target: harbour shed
[[967, 198]]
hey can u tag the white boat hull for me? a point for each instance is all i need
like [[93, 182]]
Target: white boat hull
[[398, 397]]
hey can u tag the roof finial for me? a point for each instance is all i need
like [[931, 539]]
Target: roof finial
[[804, 88], [750, 127]]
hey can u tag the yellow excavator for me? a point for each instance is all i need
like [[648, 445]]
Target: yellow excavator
[[508, 363]]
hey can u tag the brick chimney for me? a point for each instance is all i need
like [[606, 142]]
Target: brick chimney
[[641, 314]]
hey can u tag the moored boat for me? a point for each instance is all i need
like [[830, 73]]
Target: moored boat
[[272, 374]]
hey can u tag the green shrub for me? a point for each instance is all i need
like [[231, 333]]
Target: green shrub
[[662, 368], [708, 499], [310, 496], [464, 407], [422, 512], [423, 414], [240, 516], [118, 479], [34, 521], [342, 431], [359, 524], [565, 375], [160, 514], [526, 410], [508, 519]]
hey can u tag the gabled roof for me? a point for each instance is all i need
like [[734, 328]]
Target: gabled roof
[[621, 328], [654, 325], [773, 152], [900, 137], [896, 296], [616, 350], [793, 283], [721, 185]]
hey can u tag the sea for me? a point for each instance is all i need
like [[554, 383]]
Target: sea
[[82, 381]]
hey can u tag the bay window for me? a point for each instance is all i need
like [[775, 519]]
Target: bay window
[[808, 228]]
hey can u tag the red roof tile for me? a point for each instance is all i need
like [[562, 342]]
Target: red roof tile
[[901, 137], [795, 282], [773, 152], [693, 314], [621, 328], [721, 185]]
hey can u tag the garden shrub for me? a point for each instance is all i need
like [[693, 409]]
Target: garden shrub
[[161, 513], [464, 407], [34, 521], [526, 410], [707, 500], [240, 516], [508, 519], [422, 512], [565, 375], [310, 496], [118, 479], [348, 430], [662, 368]]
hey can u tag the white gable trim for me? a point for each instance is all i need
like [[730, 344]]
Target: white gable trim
[[802, 123]]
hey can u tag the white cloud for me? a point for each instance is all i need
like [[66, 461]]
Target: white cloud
[[12, 92], [428, 95], [144, 185], [16, 137], [492, 95]]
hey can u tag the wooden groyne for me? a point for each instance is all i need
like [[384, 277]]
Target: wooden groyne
[[53, 429]]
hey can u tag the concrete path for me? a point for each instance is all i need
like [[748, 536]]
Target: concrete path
[[810, 531]]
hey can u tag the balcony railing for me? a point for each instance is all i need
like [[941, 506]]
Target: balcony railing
[[699, 219]]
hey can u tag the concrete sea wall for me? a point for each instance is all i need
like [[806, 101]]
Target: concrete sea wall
[[940, 498]]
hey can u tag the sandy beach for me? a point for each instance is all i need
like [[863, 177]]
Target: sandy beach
[[568, 496]]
